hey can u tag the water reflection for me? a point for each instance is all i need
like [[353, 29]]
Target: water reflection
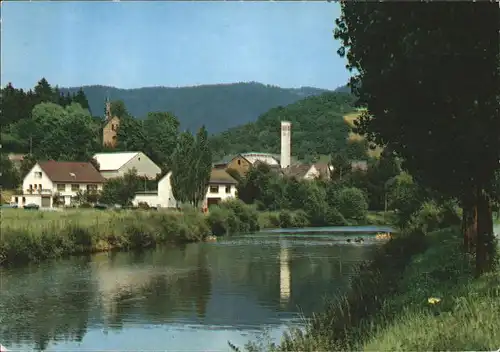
[[242, 283], [284, 273]]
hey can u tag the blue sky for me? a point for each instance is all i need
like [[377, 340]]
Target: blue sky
[[139, 44]]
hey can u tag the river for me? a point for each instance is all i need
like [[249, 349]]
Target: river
[[191, 298]]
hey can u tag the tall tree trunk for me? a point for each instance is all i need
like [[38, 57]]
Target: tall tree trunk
[[485, 240], [469, 222]]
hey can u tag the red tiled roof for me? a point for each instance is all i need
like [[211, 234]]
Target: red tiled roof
[[62, 171]]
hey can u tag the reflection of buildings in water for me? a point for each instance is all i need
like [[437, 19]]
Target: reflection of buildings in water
[[115, 282], [285, 276]]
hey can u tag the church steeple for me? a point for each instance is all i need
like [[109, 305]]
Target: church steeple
[[108, 108]]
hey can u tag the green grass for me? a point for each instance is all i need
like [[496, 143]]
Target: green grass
[[387, 308], [28, 236]]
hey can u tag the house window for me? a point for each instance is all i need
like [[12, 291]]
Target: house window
[[39, 186], [61, 187], [35, 186], [17, 199], [31, 187], [91, 187], [75, 187], [228, 189], [24, 200], [214, 189], [38, 174], [239, 162]]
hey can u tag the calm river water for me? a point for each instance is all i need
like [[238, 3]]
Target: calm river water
[[192, 298]]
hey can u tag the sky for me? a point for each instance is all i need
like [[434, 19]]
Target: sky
[[143, 44]]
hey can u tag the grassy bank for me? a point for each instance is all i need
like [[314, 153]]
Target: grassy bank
[[388, 306], [28, 236], [34, 235]]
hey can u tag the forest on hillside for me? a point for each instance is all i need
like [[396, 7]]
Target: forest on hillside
[[218, 107], [318, 128]]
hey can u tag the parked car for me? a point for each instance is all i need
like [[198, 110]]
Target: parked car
[[100, 206], [31, 206], [11, 206]]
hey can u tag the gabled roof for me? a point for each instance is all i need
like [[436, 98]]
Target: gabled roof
[[219, 176], [71, 172], [113, 161], [323, 168], [298, 170]]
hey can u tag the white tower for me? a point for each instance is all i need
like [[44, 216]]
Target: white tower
[[286, 148]]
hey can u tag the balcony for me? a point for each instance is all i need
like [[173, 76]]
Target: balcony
[[43, 191]]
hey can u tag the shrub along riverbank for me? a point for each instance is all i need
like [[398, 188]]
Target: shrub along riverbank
[[28, 236], [419, 293]]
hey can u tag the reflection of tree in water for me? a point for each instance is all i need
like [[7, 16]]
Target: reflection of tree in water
[[44, 304], [315, 271]]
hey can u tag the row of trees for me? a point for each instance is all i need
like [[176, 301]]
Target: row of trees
[[431, 92]]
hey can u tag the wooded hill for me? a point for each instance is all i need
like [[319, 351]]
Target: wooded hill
[[318, 128], [218, 107]]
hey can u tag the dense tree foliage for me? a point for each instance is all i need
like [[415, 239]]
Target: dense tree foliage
[[19, 131], [121, 190], [318, 128], [191, 167], [411, 61], [218, 107], [324, 202], [9, 176]]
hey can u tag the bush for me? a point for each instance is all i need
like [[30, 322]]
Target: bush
[[286, 219], [352, 203], [218, 221], [231, 217], [246, 214], [300, 219], [431, 216], [268, 220]]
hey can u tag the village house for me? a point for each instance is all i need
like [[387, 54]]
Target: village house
[[244, 161], [221, 187], [117, 164], [308, 171], [49, 180]]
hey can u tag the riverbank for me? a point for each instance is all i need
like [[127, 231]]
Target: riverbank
[[418, 294], [30, 236]]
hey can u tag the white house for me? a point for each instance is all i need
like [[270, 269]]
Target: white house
[[119, 163], [49, 179], [221, 187]]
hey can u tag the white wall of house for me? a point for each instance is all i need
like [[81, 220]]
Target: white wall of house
[[24, 199], [38, 181], [118, 164], [150, 199], [37, 184], [143, 164], [220, 191], [165, 198], [69, 190]]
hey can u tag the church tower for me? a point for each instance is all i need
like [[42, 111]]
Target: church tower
[[110, 129]]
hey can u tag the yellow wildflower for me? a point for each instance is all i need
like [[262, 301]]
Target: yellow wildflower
[[434, 300]]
